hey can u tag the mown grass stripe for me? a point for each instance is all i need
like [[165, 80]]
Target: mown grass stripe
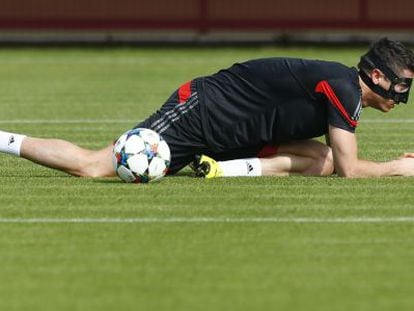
[[320, 220], [93, 121], [66, 121]]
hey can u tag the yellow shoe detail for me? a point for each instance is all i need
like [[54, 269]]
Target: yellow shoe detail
[[207, 167]]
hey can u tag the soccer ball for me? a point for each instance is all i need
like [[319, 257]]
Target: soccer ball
[[140, 156]]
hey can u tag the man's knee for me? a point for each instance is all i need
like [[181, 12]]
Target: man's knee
[[95, 164], [313, 157], [324, 164]]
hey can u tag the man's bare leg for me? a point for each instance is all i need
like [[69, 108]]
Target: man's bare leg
[[67, 157], [303, 157], [309, 158]]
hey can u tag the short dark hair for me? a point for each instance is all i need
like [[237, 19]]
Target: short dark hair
[[393, 53]]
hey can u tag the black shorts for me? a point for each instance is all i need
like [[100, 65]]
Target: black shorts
[[178, 121]]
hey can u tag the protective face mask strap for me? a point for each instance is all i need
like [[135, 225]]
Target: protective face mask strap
[[374, 87], [390, 93]]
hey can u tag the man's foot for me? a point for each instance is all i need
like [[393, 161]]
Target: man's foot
[[206, 167]]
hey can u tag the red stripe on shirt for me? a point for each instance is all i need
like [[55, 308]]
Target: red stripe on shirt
[[184, 92], [325, 88]]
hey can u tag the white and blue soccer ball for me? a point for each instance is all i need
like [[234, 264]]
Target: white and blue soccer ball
[[140, 156]]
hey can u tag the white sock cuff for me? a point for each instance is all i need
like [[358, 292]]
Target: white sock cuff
[[11, 143], [255, 168], [241, 167]]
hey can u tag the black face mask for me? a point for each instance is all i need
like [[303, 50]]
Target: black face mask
[[399, 88]]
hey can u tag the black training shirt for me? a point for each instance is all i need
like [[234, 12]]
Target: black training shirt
[[277, 100]]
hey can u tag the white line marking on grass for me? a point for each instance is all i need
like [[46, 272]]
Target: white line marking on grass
[[387, 121], [94, 121], [155, 220], [80, 121]]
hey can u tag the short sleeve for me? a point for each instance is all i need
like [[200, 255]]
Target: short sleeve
[[343, 100]]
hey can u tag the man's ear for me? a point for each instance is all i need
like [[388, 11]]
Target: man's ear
[[376, 75]]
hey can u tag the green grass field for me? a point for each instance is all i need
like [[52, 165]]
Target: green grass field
[[322, 244]]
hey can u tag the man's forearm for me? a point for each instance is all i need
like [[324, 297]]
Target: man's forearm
[[363, 168]]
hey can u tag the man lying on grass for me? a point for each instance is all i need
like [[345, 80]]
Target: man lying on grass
[[258, 118]]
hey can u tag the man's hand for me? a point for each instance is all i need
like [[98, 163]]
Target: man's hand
[[405, 164], [407, 155], [347, 163]]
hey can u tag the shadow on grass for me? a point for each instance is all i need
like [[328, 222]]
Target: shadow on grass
[[118, 181]]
